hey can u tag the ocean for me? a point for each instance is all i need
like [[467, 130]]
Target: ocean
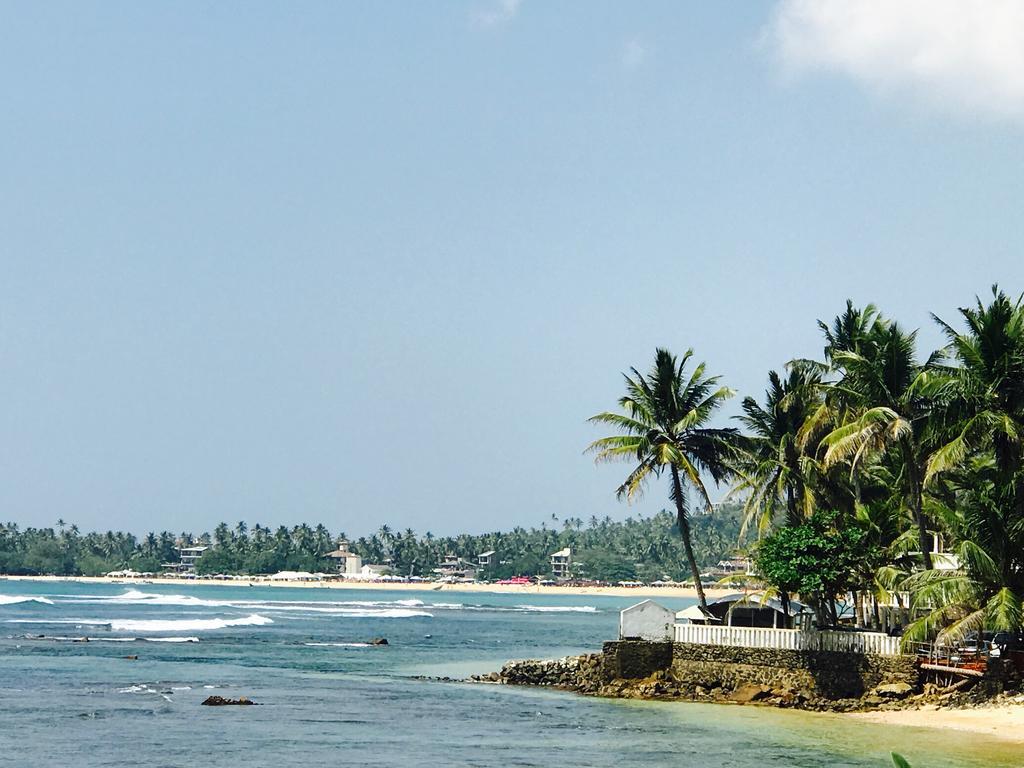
[[330, 698]]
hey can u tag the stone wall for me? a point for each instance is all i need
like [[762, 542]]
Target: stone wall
[[826, 674], [635, 659], [824, 680]]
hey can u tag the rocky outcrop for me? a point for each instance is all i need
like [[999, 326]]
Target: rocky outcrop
[[584, 674], [808, 680], [220, 701]]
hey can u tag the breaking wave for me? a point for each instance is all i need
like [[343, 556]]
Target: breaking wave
[[15, 599], [557, 608], [185, 625], [137, 597]]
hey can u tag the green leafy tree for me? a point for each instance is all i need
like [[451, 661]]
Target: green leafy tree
[[819, 560]]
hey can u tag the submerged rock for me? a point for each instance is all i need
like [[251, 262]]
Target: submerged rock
[[220, 701], [379, 641]]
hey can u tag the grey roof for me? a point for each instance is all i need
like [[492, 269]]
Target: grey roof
[[760, 600]]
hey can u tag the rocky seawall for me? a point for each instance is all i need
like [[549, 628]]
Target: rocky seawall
[[821, 681]]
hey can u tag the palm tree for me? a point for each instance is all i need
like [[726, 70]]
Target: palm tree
[[981, 469], [986, 589], [985, 411], [663, 431], [885, 399], [769, 461]]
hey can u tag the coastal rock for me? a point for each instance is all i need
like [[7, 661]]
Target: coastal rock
[[893, 691], [379, 641], [747, 694], [220, 701]]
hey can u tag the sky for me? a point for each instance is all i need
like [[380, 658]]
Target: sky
[[367, 263]]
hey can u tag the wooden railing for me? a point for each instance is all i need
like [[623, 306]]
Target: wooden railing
[[788, 639]]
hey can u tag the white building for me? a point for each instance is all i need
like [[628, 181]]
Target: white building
[[373, 571], [561, 563], [348, 563], [486, 559], [187, 557]]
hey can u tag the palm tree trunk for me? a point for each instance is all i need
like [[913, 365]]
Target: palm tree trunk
[[917, 505], [684, 530]]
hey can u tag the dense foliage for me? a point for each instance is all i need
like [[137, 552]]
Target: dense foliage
[[638, 547], [900, 451], [819, 559]]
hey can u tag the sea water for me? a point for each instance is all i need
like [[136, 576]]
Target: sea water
[[329, 697]]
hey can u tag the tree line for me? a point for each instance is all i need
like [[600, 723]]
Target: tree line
[[636, 548], [852, 466]]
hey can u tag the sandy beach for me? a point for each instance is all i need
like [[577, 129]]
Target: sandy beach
[[999, 721], [508, 589]]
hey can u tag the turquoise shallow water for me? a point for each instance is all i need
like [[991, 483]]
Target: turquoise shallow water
[[330, 700]]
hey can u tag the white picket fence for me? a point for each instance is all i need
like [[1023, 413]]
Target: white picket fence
[[788, 639]]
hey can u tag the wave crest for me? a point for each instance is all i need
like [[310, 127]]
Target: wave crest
[[16, 599]]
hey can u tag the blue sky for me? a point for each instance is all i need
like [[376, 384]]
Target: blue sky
[[368, 263]]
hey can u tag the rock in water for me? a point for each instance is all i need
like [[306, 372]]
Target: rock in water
[[220, 701], [379, 641]]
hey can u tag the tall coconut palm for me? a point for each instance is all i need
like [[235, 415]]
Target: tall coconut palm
[[985, 411], [985, 589], [769, 460], [886, 398], [663, 429]]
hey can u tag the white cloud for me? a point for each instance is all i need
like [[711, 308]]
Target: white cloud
[[634, 53], [498, 12], [961, 55]]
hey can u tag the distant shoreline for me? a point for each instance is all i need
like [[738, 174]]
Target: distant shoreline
[[391, 586]]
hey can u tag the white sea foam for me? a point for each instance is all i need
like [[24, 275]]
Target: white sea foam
[[338, 645], [177, 625], [337, 609], [171, 639], [137, 597], [557, 608], [15, 599], [136, 689]]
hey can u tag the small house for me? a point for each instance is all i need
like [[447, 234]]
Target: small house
[[750, 609], [647, 621], [486, 559]]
